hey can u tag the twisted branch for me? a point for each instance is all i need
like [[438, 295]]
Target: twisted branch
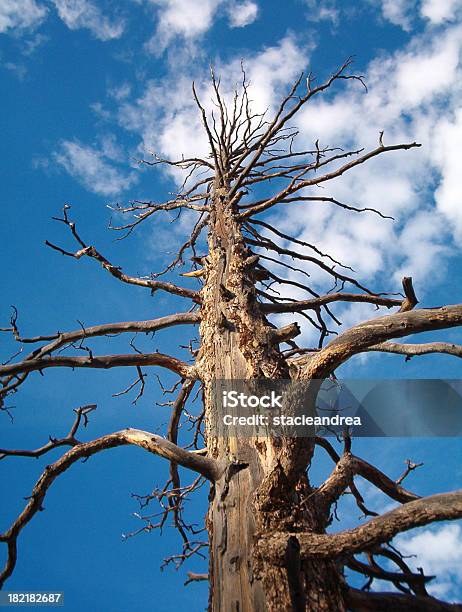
[[209, 468]]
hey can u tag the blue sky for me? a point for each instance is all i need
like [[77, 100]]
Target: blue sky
[[89, 89]]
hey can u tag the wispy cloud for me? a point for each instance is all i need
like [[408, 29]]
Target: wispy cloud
[[181, 18], [241, 14], [192, 20], [323, 10], [78, 14], [21, 15], [405, 13], [399, 12], [94, 167], [26, 15]]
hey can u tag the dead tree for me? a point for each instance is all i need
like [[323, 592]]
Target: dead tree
[[267, 524]]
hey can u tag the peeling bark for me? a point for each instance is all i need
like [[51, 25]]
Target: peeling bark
[[269, 481]]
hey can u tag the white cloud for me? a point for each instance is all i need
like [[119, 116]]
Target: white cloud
[[423, 241], [323, 10], [181, 18], [78, 14], [269, 72], [242, 14], [448, 195], [403, 13], [93, 168], [424, 74], [167, 118], [439, 11], [20, 15], [191, 20], [413, 95], [439, 552], [398, 12]]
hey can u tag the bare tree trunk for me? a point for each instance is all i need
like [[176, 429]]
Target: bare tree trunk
[[266, 523], [237, 345]]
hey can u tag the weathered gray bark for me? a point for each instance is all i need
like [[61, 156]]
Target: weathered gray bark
[[260, 496]]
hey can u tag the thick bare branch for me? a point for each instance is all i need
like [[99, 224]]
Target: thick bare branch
[[147, 326], [100, 362], [153, 285], [411, 350], [90, 251], [176, 498], [410, 299], [315, 303], [375, 331], [361, 601], [193, 577], [441, 507], [373, 570], [59, 340], [323, 199], [342, 476], [209, 468]]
